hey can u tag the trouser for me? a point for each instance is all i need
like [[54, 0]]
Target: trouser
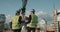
[[17, 30], [31, 29]]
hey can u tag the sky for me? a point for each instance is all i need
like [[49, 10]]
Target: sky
[[42, 7], [11, 6]]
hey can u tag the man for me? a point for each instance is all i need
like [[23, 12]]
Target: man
[[16, 27], [33, 19]]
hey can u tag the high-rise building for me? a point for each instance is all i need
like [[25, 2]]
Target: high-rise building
[[2, 21], [55, 18]]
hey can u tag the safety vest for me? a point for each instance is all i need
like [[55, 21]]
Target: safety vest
[[34, 21], [15, 22]]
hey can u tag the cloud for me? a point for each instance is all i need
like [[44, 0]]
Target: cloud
[[8, 18], [41, 13]]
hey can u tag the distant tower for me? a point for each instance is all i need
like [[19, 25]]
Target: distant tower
[[55, 20], [55, 14]]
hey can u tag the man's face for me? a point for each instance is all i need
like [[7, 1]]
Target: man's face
[[18, 14]]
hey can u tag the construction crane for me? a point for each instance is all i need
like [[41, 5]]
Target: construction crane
[[22, 10]]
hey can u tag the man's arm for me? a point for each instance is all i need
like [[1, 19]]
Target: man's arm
[[20, 19], [29, 19]]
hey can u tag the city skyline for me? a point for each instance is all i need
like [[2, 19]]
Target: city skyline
[[44, 8]]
